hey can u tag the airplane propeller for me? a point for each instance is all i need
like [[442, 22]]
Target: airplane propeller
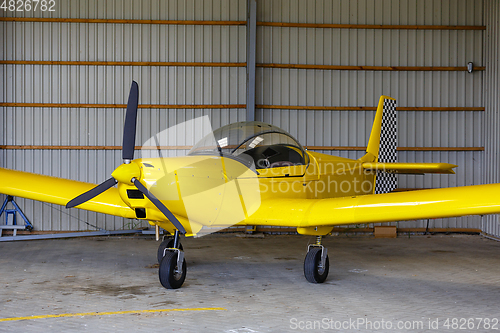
[[128, 173], [129, 128]]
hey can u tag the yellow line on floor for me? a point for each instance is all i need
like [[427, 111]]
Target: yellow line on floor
[[109, 313]]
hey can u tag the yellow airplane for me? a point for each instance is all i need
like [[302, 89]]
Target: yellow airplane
[[253, 173]]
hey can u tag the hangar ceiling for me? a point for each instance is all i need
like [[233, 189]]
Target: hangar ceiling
[[321, 66]]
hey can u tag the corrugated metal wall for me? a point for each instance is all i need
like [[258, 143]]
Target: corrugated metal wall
[[110, 85], [196, 85], [491, 225], [363, 88]]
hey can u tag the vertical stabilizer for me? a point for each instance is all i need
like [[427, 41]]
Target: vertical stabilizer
[[383, 143]]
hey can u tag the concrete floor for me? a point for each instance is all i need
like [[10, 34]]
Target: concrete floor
[[258, 283]]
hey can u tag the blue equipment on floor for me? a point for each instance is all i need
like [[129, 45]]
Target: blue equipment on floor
[[12, 213]]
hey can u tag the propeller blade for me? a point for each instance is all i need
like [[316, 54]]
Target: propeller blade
[[129, 128], [92, 193], [171, 217]]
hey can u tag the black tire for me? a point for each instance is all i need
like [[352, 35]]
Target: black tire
[[312, 271], [167, 271], [166, 244]]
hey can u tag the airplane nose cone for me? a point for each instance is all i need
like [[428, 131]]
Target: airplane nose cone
[[125, 172]]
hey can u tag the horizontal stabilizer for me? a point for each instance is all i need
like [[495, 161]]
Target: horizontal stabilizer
[[411, 168]]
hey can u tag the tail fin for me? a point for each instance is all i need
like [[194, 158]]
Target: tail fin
[[383, 143]]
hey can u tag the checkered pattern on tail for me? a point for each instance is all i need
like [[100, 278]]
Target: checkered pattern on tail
[[386, 182]]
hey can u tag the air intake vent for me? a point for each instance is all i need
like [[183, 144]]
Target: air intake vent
[[140, 213], [135, 194]]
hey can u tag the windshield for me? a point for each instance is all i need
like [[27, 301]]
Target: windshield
[[265, 145]]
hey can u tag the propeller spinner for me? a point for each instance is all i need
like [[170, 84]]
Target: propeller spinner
[[128, 173]]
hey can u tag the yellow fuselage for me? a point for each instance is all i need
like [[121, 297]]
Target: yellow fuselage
[[325, 176], [219, 192]]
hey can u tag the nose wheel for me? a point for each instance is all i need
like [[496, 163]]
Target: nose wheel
[[172, 269], [316, 263]]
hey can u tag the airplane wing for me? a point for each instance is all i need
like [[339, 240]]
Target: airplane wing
[[411, 168], [59, 191], [388, 207]]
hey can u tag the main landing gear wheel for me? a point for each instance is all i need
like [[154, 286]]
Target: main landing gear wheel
[[167, 243], [314, 270], [171, 277], [316, 263]]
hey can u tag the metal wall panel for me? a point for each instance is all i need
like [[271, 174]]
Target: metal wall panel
[[186, 85], [110, 85], [491, 224], [372, 47]]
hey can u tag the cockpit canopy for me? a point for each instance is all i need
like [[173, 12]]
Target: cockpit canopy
[[265, 145]]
